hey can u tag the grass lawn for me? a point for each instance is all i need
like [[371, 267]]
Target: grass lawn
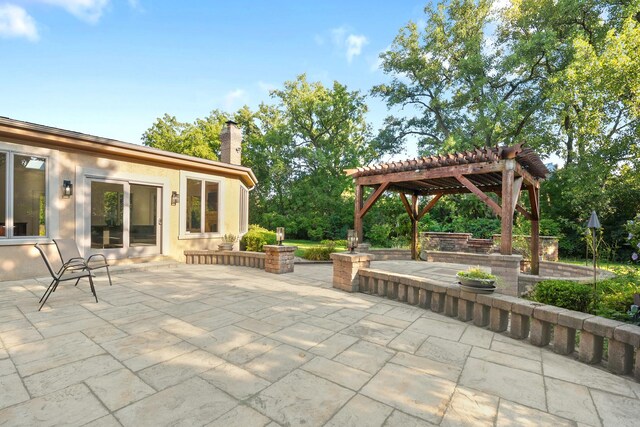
[[306, 244], [606, 265]]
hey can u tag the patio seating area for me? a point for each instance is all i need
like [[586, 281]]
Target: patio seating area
[[226, 345]]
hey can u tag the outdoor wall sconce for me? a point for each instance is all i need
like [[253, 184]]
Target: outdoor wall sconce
[[175, 198], [280, 235], [67, 189], [352, 240]]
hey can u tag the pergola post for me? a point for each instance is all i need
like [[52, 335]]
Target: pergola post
[[414, 226], [534, 199], [357, 219], [508, 205]]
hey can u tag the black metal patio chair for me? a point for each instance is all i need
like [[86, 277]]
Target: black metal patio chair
[[71, 270], [68, 250]]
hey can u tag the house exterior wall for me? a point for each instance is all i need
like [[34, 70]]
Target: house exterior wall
[[69, 217]]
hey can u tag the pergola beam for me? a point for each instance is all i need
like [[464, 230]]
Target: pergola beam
[[429, 206], [423, 174], [373, 198], [475, 190]]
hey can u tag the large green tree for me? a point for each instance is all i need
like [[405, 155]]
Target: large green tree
[[200, 138], [563, 75], [300, 146]]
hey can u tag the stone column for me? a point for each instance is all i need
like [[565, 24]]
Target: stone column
[[279, 259], [507, 270], [345, 270]]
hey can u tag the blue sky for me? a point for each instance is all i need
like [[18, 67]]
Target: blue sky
[[111, 67]]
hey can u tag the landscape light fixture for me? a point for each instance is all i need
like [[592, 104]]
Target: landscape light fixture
[[67, 189], [352, 240], [175, 198], [280, 235], [593, 225]]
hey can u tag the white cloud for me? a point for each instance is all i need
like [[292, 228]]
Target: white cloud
[[16, 22], [354, 45], [266, 87], [87, 10], [234, 99], [350, 43]]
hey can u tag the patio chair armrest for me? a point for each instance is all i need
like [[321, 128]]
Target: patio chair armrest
[[74, 263], [104, 258]]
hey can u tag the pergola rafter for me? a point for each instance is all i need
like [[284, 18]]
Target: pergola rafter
[[505, 171]]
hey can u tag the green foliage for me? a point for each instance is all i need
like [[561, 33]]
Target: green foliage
[[564, 293], [614, 298], [616, 295], [476, 273], [320, 253], [199, 139], [562, 75], [379, 235], [633, 228], [298, 149], [256, 238]]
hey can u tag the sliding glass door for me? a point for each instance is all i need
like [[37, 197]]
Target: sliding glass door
[[125, 218]]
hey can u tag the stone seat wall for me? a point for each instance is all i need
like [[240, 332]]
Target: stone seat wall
[[242, 258], [542, 324]]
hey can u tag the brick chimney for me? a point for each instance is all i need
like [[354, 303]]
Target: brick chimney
[[231, 144]]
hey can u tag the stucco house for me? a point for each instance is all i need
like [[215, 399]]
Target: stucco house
[[129, 202]]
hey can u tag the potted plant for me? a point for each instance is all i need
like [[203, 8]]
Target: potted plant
[[477, 280], [227, 242]]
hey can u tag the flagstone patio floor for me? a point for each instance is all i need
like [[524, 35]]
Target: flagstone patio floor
[[235, 346]]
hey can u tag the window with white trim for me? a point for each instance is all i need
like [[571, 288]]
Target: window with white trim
[[23, 195], [244, 210], [202, 206]]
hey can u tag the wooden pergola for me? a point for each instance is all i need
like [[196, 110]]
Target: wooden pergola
[[505, 171]]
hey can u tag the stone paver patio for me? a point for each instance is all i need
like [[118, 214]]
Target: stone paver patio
[[224, 346]]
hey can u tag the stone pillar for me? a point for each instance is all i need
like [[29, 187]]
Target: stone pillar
[[279, 259], [345, 270], [507, 269]]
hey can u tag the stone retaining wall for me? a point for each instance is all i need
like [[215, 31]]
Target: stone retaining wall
[[245, 259], [388, 254], [543, 325], [464, 242]]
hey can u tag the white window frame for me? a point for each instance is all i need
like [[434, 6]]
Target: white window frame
[[52, 192], [243, 211], [183, 202]]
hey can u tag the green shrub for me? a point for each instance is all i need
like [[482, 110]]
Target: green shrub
[[256, 238], [320, 253], [564, 293], [379, 235], [616, 295]]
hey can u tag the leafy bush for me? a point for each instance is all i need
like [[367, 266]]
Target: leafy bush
[[633, 227], [616, 295], [256, 238], [564, 293], [320, 253], [379, 234]]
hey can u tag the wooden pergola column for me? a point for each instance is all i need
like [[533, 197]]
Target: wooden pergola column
[[508, 207], [357, 220], [534, 199]]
